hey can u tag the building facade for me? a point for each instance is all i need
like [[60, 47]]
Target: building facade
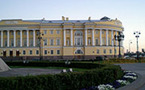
[[59, 39]]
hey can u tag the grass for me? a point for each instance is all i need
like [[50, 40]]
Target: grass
[[74, 69]]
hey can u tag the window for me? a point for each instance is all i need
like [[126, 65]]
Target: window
[[104, 51], [24, 52], [31, 33], [57, 41], [67, 31], [45, 51], [89, 31], [31, 42], [110, 51], [51, 41], [37, 51], [18, 42], [109, 42], [79, 51], [51, 31], [103, 41], [51, 52], [25, 33], [97, 41], [58, 51], [45, 31], [12, 42], [58, 32], [97, 51], [67, 42], [96, 31], [102, 32], [45, 42], [12, 33], [18, 32], [5, 33], [115, 51], [25, 42], [89, 41], [30, 51]]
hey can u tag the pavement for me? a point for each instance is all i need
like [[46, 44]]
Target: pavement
[[139, 69], [14, 72]]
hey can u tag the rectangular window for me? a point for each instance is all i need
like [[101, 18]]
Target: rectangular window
[[51, 31], [31, 42], [58, 51], [102, 32], [67, 42], [45, 51], [51, 51], [31, 33], [45, 41], [57, 41], [97, 51], [37, 51], [58, 32], [67, 31], [96, 31], [25, 33], [18, 32], [30, 51], [97, 41], [51, 41], [103, 41], [110, 51], [104, 51], [89, 41], [24, 52], [5, 33], [89, 32], [45, 31], [18, 42], [12, 33]]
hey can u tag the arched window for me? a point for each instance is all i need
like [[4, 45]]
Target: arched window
[[78, 51]]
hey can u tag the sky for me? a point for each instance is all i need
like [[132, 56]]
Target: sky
[[130, 12]]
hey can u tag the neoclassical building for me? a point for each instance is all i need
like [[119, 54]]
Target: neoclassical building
[[59, 39]]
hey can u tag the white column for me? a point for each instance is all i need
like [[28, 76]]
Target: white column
[[21, 38], [112, 37], [93, 37], [106, 37], [116, 40], [27, 38], [86, 40], [14, 38], [71, 37], [100, 37], [64, 37], [1, 38], [8, 38], [34, 38]]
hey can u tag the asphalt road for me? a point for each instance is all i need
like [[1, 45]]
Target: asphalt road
[[139, 69]]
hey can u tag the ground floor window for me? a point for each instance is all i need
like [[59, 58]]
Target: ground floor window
[[51, 52], [37, 51], [58, 51], [79, 51]]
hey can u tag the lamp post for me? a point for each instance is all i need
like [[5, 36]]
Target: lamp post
[[137, 33], [39, 34], [130, 42], [119, 38]]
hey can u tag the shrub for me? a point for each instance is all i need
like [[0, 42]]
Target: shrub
[[64, 81]]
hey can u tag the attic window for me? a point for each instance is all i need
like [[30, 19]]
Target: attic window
[[78, 21], [50, 21]]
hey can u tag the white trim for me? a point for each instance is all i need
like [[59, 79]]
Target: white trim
[[109, 29], [1, 38], [93, 44], [8, 33], [100, 37], [106, 37], [21, 38], [14, 38], [34, 38], [27, 38], [86, 42], [64, 37]]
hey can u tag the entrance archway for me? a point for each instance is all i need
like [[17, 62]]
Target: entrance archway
[[11, 53], [17, 53], [4, 53]]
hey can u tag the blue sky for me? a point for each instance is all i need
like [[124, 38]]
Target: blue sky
[[130, 12]]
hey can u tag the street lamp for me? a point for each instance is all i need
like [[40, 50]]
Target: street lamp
[[130, 42], [39, 34], [119, 38], [137, 33]]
